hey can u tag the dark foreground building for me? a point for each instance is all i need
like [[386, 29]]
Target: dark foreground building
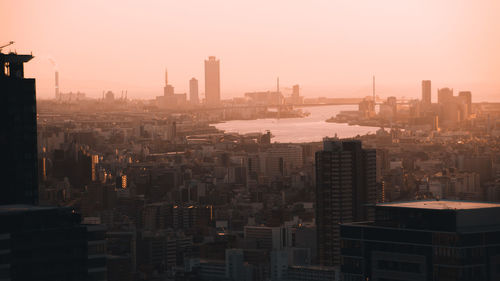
[[424, 240], [345, 185], [18, 168], [49, 243], [36, 243]]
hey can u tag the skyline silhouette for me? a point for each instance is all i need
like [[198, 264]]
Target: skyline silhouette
[[330, 48]]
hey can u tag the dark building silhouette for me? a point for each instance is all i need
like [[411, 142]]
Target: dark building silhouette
[[36, 243], [212, 81], [18, 138], [426, 92], [49, 243], [345, 185], [424, 240]]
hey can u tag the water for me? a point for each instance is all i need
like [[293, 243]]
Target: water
[[309, 129]]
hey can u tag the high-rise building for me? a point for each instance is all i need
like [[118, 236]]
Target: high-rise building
[[193, 91], [19, 168], [445, 95], [466, 98], [426, 92], [424, 240], [212, 81], [34, 240], [345, 185]]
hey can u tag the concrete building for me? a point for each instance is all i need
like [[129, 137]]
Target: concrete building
[[212, 81], [193, 91]]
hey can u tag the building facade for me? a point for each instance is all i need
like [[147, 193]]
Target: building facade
[[424, 240], [345, 185]]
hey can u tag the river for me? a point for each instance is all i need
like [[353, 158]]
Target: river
[[296, 130]]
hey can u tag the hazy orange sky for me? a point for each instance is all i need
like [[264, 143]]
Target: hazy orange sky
[[331, 48]]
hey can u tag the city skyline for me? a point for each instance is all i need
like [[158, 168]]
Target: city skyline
[[323, 47]]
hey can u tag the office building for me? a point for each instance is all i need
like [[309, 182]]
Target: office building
[[424, 240], [193, 91], [426, 93], [212, 81], [18, 138], [345, 185]]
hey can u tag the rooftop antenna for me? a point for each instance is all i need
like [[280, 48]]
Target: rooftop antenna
[[6, 45]]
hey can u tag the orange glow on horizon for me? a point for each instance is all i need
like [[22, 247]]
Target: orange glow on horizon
[[330, 48]]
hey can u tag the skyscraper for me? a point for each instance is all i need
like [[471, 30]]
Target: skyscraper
[[18, 139], [34, 240], [426, 92], [345, 185], [193, 91], [212, 81]]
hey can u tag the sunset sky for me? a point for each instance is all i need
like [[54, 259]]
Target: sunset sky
[[331, 48]]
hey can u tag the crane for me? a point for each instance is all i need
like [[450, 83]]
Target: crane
[[6, 45]]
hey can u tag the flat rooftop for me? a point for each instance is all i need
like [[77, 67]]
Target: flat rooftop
[[441, 205]]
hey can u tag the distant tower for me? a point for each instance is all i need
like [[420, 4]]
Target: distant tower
[[57, 85], [426, 92], [373, 90], [168, 90], [212, 81], [193, 91]]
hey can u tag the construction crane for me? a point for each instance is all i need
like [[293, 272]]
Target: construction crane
[[6, 45]]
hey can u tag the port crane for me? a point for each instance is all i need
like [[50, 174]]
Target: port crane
[[6, 45]]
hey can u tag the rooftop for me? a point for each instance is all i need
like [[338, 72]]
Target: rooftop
[[441, 205]]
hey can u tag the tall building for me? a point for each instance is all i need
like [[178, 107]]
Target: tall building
[[424, 240], [445, 95], [36, 243], [193, 91], [426, 92], [466, 98], [212, 81], [168, 90], [345, 185], [18, 170]]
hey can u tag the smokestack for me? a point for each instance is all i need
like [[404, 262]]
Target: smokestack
[[278, 85], [57, 85], [374, 89], [166, 77]]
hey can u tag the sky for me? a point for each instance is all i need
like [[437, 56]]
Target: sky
[[330, 48]]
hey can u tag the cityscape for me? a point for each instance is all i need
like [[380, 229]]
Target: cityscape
[[272, 182]]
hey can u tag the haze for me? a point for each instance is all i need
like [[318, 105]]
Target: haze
[[330, 48]]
